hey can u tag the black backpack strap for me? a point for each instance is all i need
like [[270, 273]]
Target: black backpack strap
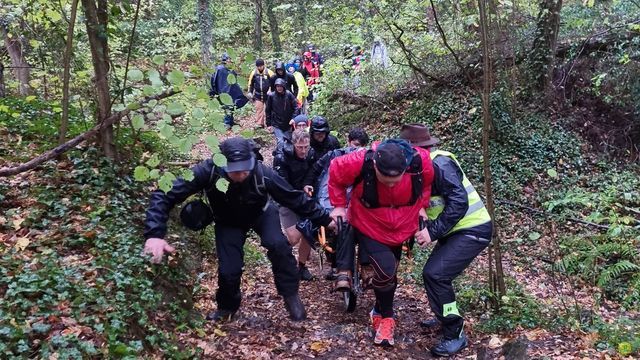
[[415, 169], [369, 187], [258, 179]]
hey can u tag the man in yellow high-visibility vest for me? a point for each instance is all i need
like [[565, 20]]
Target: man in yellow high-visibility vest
[[462, 227]]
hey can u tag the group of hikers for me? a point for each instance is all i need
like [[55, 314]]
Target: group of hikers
[[276, 94], [383, 191]]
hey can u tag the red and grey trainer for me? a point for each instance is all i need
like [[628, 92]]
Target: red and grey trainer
[[375, 319], [384, 335]]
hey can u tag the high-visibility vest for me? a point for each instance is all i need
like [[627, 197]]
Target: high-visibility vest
[[476, 215]]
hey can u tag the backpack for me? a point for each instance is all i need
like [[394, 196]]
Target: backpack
[[198, 214], [369, 188]]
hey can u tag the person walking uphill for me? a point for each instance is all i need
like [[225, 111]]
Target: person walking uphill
[[321, 139], [245, 205], [259, 87], [281, 107], [220, 85], [459, 222], [290, 80], [391, 187]]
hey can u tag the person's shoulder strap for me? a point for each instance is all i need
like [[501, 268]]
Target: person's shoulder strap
[[415, 169], [258, 178], [213, 177], [369, 187]]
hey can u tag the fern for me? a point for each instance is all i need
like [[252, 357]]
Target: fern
[[614, 271]]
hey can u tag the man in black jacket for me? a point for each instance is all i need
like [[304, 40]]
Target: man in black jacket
[[259, 87], [290, 80], [245, 205], [321, 139], [459, 222], [293, 163], [281, 107]]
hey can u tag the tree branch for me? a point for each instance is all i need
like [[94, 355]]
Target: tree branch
[[446, 43], [55, 152]]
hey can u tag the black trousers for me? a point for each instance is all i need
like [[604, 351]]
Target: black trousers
[[384, 260], [448, 259], [230, 242]]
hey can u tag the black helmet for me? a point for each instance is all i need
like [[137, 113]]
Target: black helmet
[[196, 215], [281, 81], [280, 66], [319, 124]]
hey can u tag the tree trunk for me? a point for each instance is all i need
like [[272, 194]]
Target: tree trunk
[[21, 69], [2, 93], [301, 24], [496, 280], [64, 122], [205, 22], [257, 27], [273, 25], [542, 57], [96, 19]]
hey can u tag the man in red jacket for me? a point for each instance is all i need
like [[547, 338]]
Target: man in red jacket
[[391, 188]]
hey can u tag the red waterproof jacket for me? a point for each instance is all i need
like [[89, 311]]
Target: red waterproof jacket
[[311, 72], [394, 221]]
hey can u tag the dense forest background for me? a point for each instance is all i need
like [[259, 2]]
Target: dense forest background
[[101, 101]]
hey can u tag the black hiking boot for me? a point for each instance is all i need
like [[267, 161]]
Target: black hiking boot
[[295, 308], [448, 347], [221, 315], [304, 273], [429, 323], [331, 274]]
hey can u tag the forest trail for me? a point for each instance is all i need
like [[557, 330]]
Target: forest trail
[[262, 330]]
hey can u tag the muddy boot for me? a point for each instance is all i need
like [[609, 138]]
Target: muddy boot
[[366, 274], [343, 281], [448, 347], [295, 308], [221, 315], [429, 323], [304, 273]]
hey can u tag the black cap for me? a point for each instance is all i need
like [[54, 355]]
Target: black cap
[[259, 62], [390, 159], [239, 154]]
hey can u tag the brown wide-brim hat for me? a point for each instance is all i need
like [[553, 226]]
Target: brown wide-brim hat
[[418, 135]]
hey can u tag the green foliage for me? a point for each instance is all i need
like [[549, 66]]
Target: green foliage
[[524, 147], [81, 289]]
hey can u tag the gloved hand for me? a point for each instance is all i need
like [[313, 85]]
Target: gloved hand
[[156, 247]]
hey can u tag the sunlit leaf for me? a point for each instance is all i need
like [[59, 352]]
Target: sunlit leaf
[[165, 183], [158, 60], [137, 121], [141, 173], [135, 75], [198, 113], [176, 77], [222, 184], [154, 174], [154, 77], [175, 108], [187, 174], [212, 142], [154, 161], [166, 131], [552, 173], [219, 160], [226, 99], [534, 236], [231, 78]]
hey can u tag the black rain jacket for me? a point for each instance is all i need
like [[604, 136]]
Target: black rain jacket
[[240, 206]]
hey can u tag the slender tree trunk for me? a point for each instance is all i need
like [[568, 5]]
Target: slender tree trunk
[[496, 280], [96, 19], [21, 69], [542, 54], [301, 24], [257, 27], [273, 25], [205, 22], [64, 122], [2, 93]]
